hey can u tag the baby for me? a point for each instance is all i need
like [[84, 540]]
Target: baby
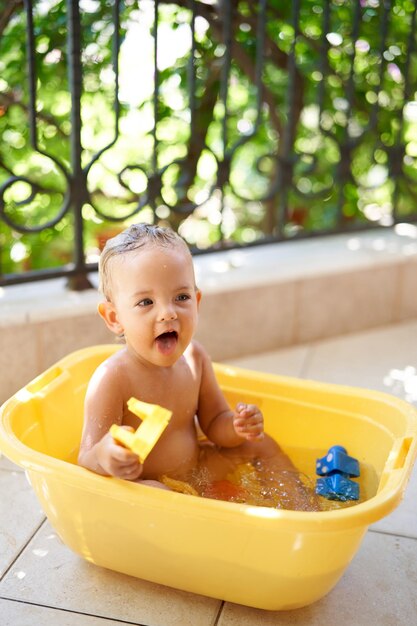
[[151, 299]]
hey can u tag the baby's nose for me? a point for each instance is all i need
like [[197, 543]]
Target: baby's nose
[[167, 313]]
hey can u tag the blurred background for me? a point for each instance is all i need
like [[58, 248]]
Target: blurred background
[[237, 123]]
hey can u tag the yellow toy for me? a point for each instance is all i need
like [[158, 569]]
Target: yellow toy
[[154, 421]]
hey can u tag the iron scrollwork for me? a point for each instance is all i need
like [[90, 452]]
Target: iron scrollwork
[[341, 62]]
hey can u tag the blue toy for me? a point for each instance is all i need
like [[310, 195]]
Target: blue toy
[[337, 487], [337, 460], [337, 468]]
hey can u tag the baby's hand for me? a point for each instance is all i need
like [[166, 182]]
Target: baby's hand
[[248, 422], [116, 460]]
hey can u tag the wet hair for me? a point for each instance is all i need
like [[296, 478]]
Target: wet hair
[[134, 237]]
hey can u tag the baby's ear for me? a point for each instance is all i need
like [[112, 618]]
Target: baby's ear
[[107, 311], [198, 296]]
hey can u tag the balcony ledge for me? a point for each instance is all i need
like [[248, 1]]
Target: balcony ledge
[[254, 299]]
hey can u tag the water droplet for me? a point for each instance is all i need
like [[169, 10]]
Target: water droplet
[[40, 552]]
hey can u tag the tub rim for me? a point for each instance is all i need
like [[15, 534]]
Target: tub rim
[[360, 515]]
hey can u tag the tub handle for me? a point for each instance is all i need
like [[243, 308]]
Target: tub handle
[[399, 458], [402, 453], [40, 383]]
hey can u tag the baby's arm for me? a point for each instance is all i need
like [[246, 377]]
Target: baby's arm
[[221, 425], [104, 406]]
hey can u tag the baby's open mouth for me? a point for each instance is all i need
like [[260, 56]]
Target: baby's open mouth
[[167, 342]]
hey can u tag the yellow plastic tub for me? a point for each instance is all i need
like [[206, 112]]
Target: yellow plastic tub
[[257, 556]]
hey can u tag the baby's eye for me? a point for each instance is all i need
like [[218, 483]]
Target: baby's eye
[[182, 297], [145, 302]]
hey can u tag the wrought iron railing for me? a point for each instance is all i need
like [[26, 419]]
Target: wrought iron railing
[[235, 122]]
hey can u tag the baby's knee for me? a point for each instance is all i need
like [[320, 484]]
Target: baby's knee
[[264, 448], [154, 483], [269, 445]]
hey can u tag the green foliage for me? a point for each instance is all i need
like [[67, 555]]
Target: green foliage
[[328, 142]]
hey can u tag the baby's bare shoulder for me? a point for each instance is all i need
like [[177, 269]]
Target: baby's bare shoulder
[[110, 371], [196, 352], [105, 396]]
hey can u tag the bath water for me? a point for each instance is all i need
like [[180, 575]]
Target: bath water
[[259, 483]]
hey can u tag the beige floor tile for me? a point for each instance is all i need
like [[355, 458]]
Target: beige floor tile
[[20, 513], [286, 362], [384, 359], [20, 614], [49, 574], [378, 589], [403, 521]]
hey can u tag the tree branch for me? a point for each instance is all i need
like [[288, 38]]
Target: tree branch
[[7, 12]]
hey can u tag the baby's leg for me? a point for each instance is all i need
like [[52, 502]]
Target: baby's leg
[[219, 462], [153, 483], [281, 480], [265, 449]]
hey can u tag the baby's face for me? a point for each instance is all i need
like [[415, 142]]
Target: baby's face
[[156, 302]]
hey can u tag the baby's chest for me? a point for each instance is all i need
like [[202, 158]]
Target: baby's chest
[[179, 393], [181, 396]]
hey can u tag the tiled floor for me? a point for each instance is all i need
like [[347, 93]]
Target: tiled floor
[[43, 582]]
